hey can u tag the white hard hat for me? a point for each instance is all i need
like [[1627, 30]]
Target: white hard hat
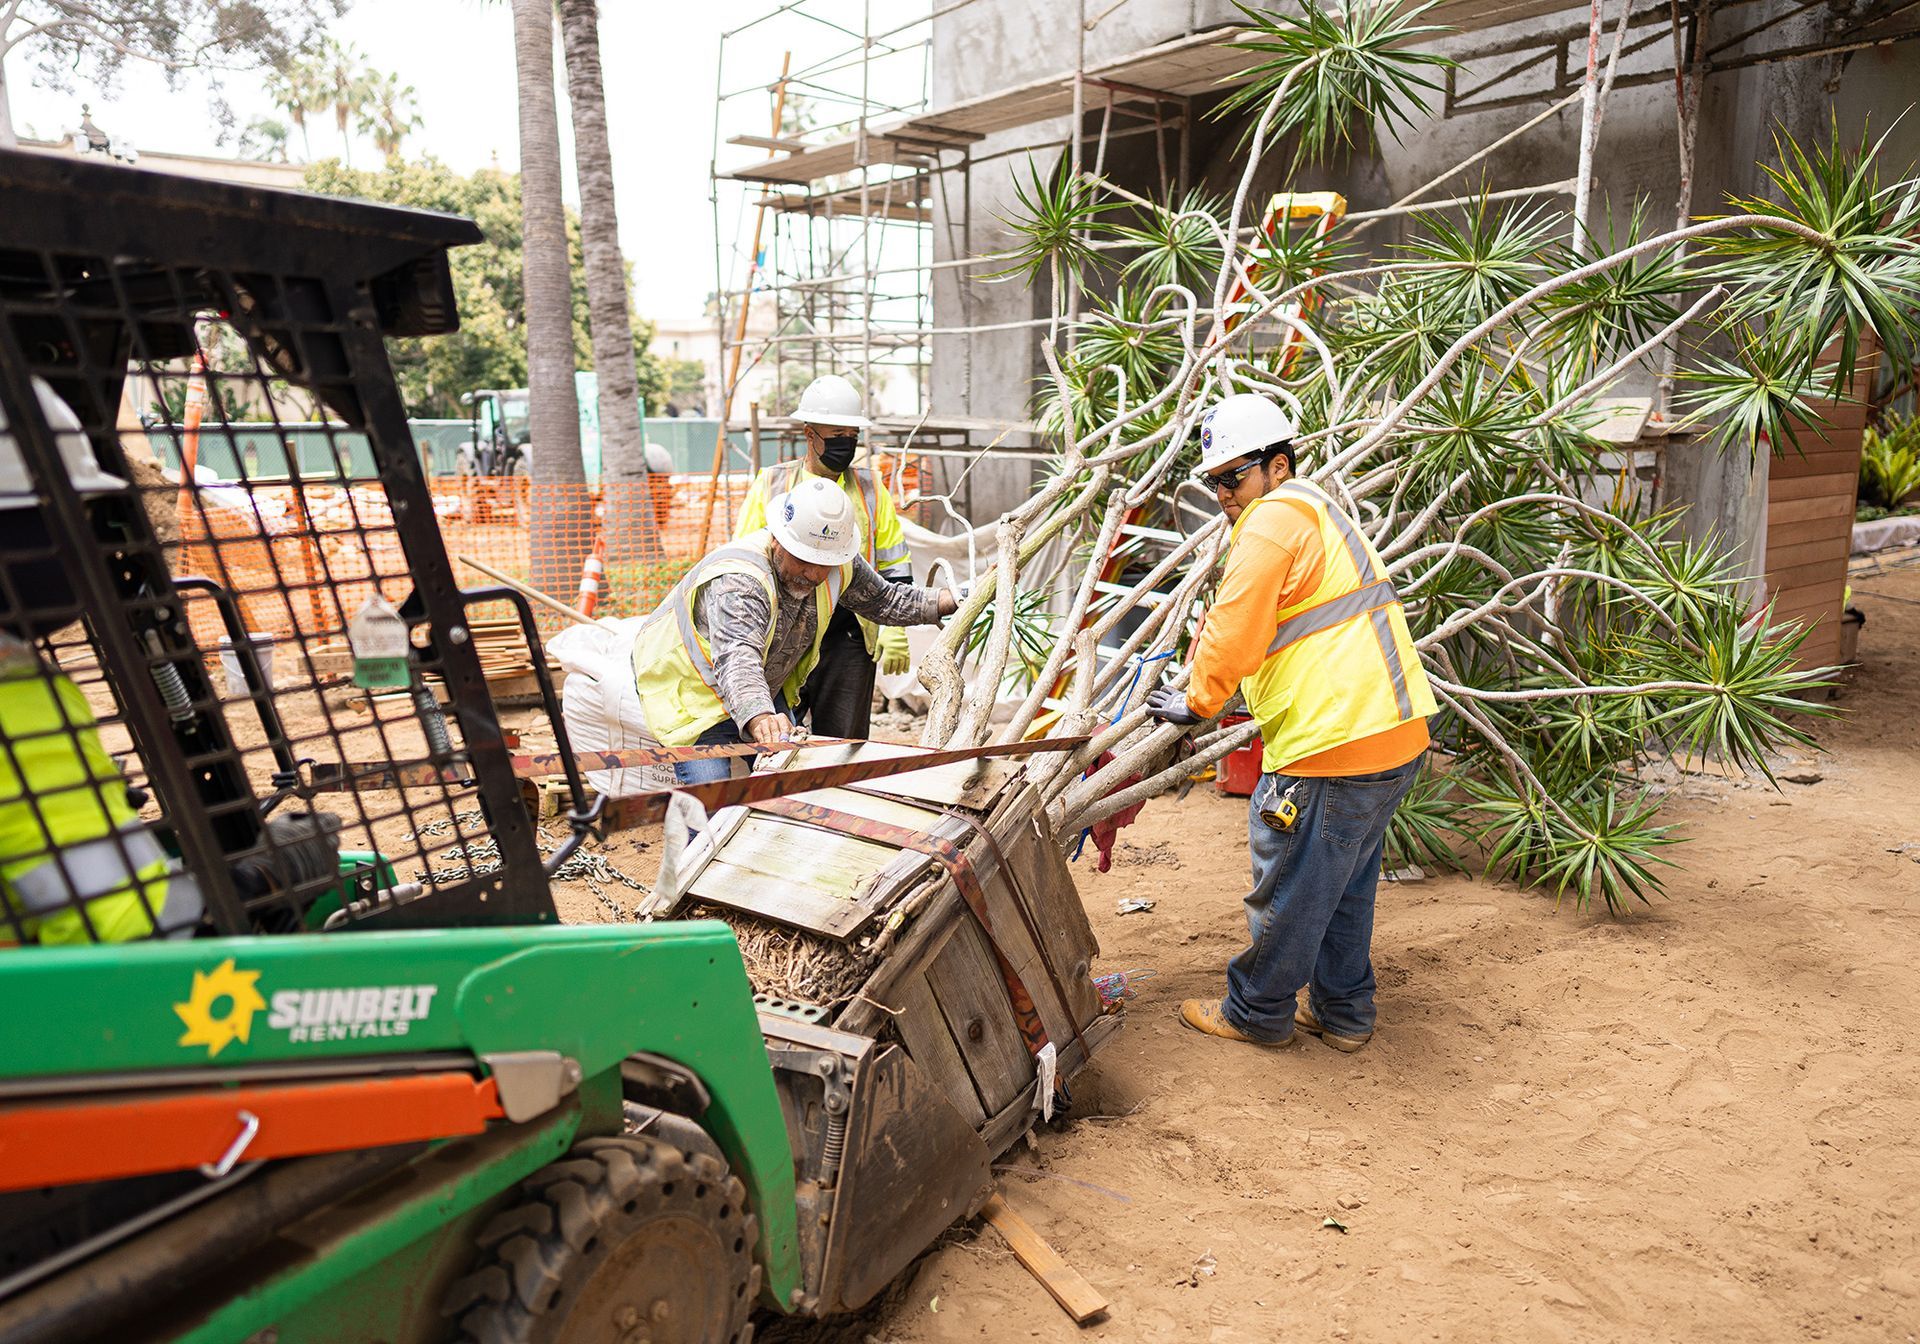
[[831, 400], [815, 522], [83, 469], [1243, 423], [659, 460]]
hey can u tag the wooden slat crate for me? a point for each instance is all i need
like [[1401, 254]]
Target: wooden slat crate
[[929, 973]]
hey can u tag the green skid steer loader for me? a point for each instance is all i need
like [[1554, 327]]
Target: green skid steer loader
[[273, 1072]]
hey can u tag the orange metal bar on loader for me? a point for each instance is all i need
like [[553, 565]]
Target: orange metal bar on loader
[[107, 1138], [1326, 209]]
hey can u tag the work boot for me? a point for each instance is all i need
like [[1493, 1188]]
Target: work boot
[[1210, 1016], [1304, 1019]]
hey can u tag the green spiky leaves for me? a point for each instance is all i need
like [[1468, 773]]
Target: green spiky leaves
[[1339, 70], [1052, 227]]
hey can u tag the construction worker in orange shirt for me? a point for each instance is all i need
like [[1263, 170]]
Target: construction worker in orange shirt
[[1307, 626]]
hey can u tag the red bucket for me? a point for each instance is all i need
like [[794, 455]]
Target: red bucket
[[1239, 771]]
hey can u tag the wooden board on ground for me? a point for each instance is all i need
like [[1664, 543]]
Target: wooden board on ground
[[1078, 1298]]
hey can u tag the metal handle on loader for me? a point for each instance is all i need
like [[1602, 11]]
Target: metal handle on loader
[[249, 1126]]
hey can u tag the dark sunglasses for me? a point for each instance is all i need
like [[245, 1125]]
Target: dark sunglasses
[[1229, 480]]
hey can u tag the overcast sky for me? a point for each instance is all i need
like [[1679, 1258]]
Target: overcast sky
[[660, 60]]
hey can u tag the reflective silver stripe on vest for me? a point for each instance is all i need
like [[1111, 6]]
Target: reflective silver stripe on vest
[[1389, 650], [865, 481], [1373, 599], [1329, 614], [87, 870], [893, 556], [1356, 544], [682, 601]]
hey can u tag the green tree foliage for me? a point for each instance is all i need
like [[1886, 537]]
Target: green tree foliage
[[85, 43], [490, 349], [683, 388], [1890, 463]]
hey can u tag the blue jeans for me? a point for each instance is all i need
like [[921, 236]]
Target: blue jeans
[[1310, 913], [725, 733]]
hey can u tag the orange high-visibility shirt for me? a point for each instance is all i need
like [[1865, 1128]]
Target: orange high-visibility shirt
[[1277, 561]]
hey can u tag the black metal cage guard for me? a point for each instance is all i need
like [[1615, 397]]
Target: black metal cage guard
[[127, 296]]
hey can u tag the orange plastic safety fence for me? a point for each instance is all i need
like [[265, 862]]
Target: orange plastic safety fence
[[302, 558]]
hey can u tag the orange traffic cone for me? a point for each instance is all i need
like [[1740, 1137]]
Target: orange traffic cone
[[593, 572]]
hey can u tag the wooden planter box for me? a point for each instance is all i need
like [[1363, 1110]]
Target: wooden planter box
[[1813, 487], [1811, 496], [901, 1090]]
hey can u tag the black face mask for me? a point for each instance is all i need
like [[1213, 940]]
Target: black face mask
[[836, 455]]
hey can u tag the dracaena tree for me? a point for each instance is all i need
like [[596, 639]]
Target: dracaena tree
[[1447, 389]]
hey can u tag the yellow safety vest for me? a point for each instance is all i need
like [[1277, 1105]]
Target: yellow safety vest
[[68, 836], [672, 661], [883, 540], [1342, 665]]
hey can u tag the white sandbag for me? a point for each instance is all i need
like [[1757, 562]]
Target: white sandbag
[[600, 705]]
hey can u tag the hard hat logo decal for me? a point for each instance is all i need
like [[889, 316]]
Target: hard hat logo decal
[[236, 990], [789, 508]]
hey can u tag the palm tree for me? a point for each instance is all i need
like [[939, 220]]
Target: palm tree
[[561, 518], [348, 88], [294, 87], [389, 117], [265, 139], [622, 453]]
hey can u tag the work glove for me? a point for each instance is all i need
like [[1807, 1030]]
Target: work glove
[[1170, 706], [303, 851], [895, 656]]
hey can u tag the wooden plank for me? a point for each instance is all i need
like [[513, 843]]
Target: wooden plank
[[800, 853], [769, 142], [1829, 551], [1816, 459], [973, 997], [963, 784], [1812, 579], [1841, 415], [1818, 529], [1812, 487], [776, 898], [929, 1040], [1066, 938], [1076, 1296], [1803, 510], [874, 806], [1823, 597], [1806, 607]]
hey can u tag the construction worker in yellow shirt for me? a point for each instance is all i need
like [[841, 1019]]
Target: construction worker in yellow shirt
[[839, 691], [1307, 626]]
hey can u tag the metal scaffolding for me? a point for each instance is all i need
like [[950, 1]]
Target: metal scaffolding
[[842, 207]]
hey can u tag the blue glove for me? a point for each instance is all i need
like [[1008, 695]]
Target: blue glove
[[1170, 706]]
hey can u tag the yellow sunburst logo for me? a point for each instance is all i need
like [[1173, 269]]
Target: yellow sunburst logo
[[242, 1001]]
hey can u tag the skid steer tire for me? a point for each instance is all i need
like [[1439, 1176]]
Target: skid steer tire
[[623, 1241]]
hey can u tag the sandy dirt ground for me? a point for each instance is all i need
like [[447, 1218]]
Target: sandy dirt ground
[[1697, 1123]]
